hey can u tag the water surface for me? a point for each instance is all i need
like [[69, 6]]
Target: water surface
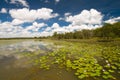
[[15, 61]]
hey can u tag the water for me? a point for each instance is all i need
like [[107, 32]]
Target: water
[[15, 65], [23, 59]]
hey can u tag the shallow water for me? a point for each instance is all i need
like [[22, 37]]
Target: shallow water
[[23, 59], [15, 65]]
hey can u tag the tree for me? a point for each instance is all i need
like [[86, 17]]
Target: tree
[[107, 32]]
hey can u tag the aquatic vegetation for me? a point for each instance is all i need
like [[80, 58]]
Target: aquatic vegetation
[[93, 61], [86, 67], [87, 61]]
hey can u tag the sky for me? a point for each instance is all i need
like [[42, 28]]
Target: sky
[[35, 18]]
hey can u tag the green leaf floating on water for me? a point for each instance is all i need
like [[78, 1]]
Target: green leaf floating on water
[[105, 72], [105, 77], [111, 71], [68, 63], [86, 60], [81, 76], [108, 77], [113, 67]]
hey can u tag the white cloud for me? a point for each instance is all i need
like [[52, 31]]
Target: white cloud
[[67, 14], [46, 13], [113, 20], [55, 26], [86, 17], [45, 33], [85, 20], [57, 1], [72, 28], [27, 15], [22, 2], [4, 26], [17, 22], [7, 29], [61, 18], [3, 10], [35, 26], [48, 29]]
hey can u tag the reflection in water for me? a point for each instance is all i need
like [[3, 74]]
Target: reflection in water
[[15, 62], [12, 58], [16, 49], [26, 46]]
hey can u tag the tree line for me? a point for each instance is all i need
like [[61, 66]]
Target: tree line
[[106, 32]]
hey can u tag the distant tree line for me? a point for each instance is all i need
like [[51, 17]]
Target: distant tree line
[[107, 32]]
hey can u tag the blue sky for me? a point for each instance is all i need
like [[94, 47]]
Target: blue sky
[[29, 18]]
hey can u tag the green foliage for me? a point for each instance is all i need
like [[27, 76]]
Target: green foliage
[[86, 67], [85, 60], [107, 32], [84, 34]]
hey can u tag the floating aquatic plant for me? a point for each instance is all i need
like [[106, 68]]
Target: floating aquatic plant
[[86, 60]]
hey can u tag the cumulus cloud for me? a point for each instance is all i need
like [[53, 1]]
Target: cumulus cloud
[[72, 28], [55, 26], [48, 29], [67, 14], [113, 20], [86, 17], [45, 33], [3, 10], [22, 2], [17, 22], [27, 15], [4, 26], [20, 16], [35, 26], [7, 29]]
